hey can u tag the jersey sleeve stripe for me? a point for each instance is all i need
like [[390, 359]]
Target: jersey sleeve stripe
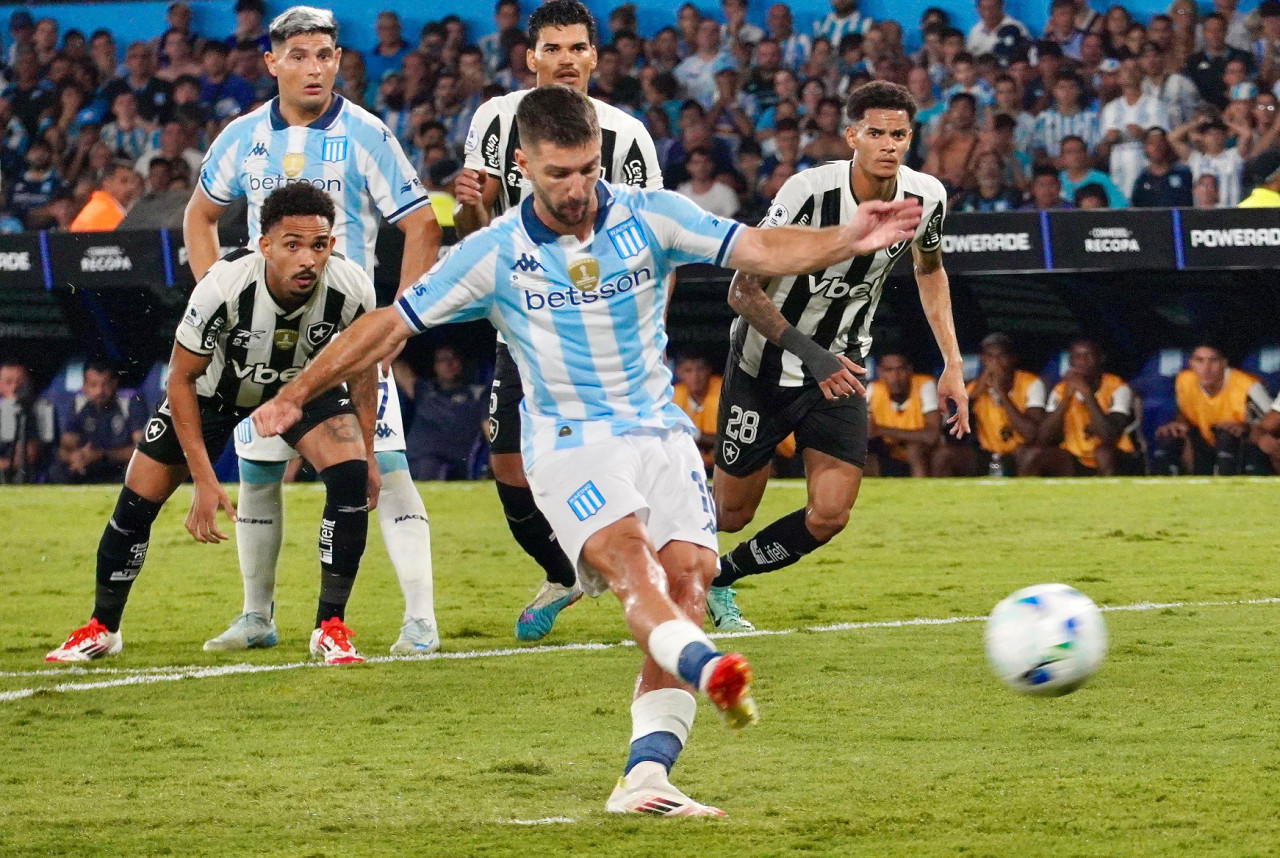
[[405, 309], [406, 209], [208, 192], [726, 246]]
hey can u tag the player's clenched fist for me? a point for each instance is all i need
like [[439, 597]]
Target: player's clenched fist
[[275, 416], [468, 187]]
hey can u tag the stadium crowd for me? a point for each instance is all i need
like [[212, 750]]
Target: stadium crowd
[[1098, 110]]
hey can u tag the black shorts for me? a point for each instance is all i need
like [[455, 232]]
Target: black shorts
[[504, 403], [160, 442], [754, 418]]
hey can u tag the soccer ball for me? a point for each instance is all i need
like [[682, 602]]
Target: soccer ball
[[1045, 640]]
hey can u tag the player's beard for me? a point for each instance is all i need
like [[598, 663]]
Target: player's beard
[[563, 213]]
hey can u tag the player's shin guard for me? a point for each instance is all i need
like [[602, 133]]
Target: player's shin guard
[[406, 535], [121, 553], [532, 530], [259, 532], [775, 547], [344, 526], [660, 724]]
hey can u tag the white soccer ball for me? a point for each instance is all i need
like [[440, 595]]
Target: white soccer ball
[[1045, 640]]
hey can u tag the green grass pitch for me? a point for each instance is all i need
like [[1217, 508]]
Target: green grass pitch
[[874, 740]]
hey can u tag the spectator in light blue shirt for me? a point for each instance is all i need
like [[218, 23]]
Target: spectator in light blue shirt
[[506, 16], [697, 72], [1076, 173], [390, 49]]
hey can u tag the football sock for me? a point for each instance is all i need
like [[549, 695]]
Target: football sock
[[259, 532], [660, 724], [121, 552], [344, 525], [681, 649], [532, 530], [775, 547], [406, 534]]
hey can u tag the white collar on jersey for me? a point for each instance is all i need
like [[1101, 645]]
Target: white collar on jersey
[[543, 234], [323, 122]]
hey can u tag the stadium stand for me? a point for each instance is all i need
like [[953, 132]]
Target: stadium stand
[[64, 82]]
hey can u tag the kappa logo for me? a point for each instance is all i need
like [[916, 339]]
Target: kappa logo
[[528, 263], [155, 428], [259, 150], [319, 333], [731, 452]]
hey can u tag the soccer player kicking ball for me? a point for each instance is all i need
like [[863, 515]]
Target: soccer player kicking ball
[[799, 340], [310, 134], [573, 277], [564, 52], [252, 323]]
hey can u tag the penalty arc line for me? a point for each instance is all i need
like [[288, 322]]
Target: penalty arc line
[[121, 677]]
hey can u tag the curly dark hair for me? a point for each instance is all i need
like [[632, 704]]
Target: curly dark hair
[[295, 198], [562, 13], [879, 95]]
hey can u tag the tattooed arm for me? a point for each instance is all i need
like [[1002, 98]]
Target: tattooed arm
[[835, 373]]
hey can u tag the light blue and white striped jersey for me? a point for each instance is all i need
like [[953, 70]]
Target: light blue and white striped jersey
[[796, 49], [1052, 126], [1128, 158], [584, 320], [348, 153], [1227, 166], [833, 28]]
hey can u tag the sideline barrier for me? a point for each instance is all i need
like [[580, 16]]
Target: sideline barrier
[[974, 244]]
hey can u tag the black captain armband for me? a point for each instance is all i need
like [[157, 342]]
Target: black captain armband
[[821, 363]]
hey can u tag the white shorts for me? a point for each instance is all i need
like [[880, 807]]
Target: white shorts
[[659, 477], [388, 435]]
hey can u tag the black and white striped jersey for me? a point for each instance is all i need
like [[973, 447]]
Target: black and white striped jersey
[[627, 154], [255, 345], [834, 306]]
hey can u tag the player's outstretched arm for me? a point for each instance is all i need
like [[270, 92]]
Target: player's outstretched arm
[[835, 373], [200, 232], [208, 496], [935, 297], [374, 336], [794, 249]]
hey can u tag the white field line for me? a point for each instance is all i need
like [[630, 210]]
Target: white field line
[[550, 820], [149, 675]]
